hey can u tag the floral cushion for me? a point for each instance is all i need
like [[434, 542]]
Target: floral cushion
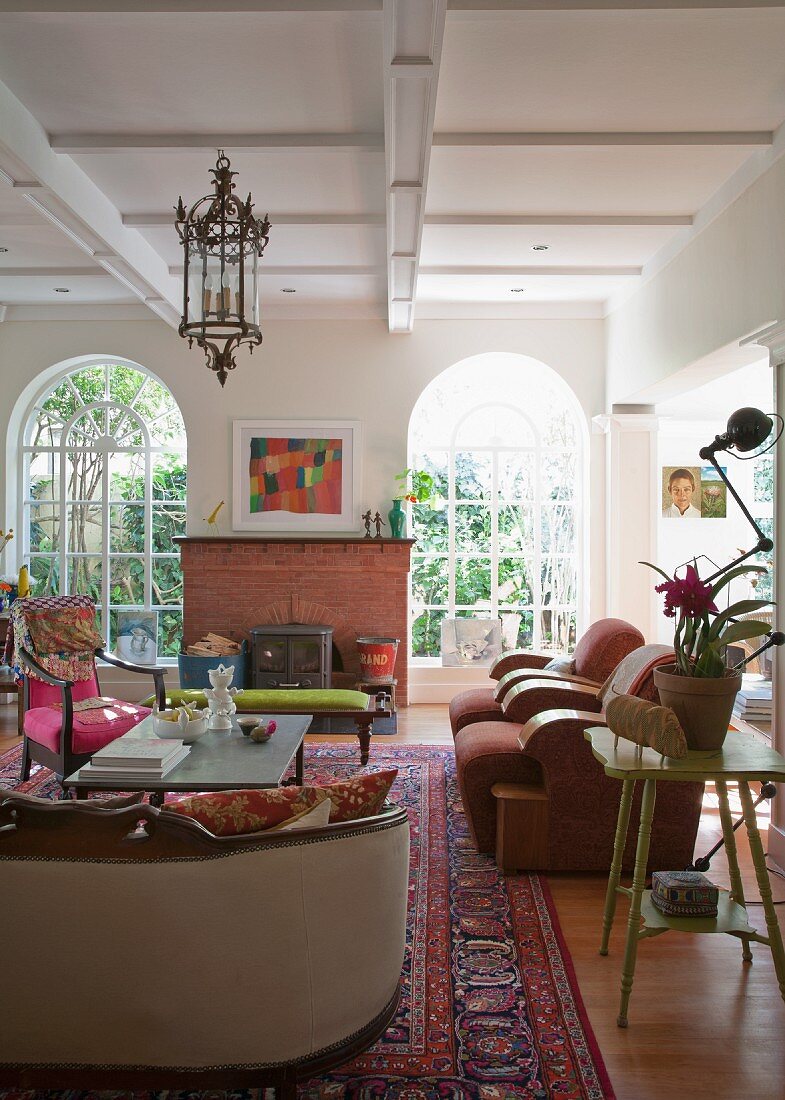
[[361, 796], [229, 813]]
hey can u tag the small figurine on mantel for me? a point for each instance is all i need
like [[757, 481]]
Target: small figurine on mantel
[[212, 520], [366, 518], [379, 523]]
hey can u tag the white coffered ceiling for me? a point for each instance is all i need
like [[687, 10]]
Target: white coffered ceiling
[[412, 154]]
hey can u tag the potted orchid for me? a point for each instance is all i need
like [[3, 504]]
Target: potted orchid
[[699, 687]]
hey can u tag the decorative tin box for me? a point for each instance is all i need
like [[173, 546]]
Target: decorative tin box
[[684, 894]]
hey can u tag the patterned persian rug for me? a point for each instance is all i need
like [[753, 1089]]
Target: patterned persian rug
[[490, 1009]]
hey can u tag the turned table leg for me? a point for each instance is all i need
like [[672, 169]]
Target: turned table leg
[[764, 886], [736, 887], [636, 895], [628, 787], [364, 731]]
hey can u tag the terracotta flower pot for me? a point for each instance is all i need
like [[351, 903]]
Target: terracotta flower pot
[[702, 705]]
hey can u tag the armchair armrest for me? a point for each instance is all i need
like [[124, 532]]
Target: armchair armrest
[[66, 692], [519, 658], [155, 671], [41, 672], [520, 675], [530, 698], [554, 720]]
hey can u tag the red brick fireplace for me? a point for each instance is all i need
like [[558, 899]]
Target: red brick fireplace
[[357, 586]]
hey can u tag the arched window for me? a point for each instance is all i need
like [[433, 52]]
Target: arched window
[[104, 480], [503, 437]]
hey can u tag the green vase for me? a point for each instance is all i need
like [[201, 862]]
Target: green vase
[[397, 518]]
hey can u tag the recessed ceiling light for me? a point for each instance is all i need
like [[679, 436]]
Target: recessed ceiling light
[[62, 290], [540, 247], [517, 289], [3, 249], [288, 290]]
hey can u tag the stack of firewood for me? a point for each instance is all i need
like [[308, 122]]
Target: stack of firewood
[[214, 645]]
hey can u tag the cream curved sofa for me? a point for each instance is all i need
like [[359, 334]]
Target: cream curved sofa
[[166, 957]]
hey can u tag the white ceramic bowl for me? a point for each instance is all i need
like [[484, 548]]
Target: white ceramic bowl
[[192, 731]]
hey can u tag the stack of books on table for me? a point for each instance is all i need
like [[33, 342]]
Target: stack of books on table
[[754, 702], [129, 758]]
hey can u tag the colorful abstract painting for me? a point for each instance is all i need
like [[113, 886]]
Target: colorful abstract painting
[[296, 475]]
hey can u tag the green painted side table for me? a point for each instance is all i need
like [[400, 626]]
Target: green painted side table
[[742, 759]]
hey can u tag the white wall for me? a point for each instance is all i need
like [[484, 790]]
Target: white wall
[[728, 282], [688, 423], [709, 540], [342, 369]]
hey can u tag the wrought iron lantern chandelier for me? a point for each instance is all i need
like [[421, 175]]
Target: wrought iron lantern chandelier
[[222, 241]]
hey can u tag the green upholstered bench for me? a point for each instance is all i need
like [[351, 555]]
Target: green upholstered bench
[[320, 702]]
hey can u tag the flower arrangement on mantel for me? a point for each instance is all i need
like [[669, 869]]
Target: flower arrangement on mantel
[[702, 630], [417, 487]]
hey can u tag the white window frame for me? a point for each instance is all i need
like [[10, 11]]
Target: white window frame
[[104, 446], [535, 560]]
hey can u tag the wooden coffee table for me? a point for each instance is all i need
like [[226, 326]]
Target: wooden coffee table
[[218, 761]]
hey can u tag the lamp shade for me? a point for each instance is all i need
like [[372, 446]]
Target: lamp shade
[[747, 429]]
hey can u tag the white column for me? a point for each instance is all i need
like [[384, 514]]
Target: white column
[[632, 508], [773, 338]]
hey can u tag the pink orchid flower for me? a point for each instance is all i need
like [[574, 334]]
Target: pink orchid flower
[[689, 594]]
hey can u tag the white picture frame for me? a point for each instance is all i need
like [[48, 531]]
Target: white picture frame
[[341, 498], [471, 642], [137, 637]]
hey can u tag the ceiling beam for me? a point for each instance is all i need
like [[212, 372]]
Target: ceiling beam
[[157, 221], [610, 137], [142, 7], [166, 220], [558, 219], [70, 201], [306, 270], [515, 272], [162, 143], [19, 219], [50, 272], [412, 39], [607, 5]]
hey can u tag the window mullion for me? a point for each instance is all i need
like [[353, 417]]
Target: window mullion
[[451, 531], [537, 561], [148, 527], [65, 525], [494, 506], [105, 544]]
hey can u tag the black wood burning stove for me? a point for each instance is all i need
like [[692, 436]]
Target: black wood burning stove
[[291, 655]]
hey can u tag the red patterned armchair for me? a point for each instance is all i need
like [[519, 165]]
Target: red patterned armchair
[[539, 743], [66, 719], [596, 655]]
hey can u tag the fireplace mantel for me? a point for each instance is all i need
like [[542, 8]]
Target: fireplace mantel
[[330, 540], [357, 585]]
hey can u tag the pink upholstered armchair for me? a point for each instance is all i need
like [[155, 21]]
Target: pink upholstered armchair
[[539, 742], [596, 655], [66, 719]]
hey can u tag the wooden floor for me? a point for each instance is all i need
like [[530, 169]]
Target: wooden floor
[[702, 1025]]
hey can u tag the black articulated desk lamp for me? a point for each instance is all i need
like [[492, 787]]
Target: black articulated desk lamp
[[747, 430]]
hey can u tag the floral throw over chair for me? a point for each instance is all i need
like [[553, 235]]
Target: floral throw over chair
[[66, 718]]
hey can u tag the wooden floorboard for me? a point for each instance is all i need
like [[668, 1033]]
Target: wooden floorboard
[[702, 1024]]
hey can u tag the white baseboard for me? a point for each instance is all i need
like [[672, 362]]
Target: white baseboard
[[776, 845], [125, 685], [436, 684]]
